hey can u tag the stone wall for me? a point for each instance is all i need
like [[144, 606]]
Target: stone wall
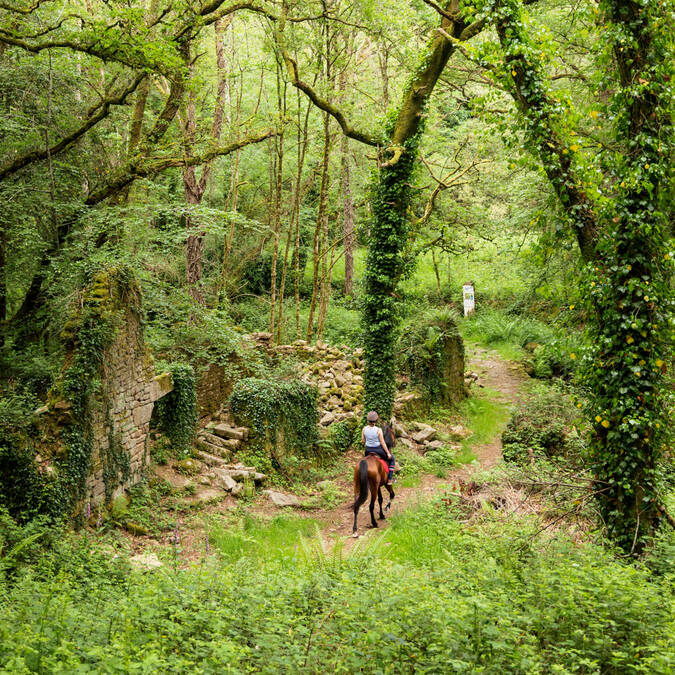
[[122, 403], [122, 413], [212, 390]]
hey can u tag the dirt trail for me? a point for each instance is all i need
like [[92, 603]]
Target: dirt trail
[[494, 373]]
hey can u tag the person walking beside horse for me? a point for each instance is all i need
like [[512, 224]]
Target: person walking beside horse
[[373, 471]]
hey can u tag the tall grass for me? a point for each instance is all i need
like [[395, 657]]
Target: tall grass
[[253, 538]]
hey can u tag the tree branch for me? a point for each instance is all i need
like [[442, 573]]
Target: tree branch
[[308, 90], [142, 167], [94, 115], [21, 10]]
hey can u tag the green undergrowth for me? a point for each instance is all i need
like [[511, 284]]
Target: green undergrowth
[[550, 348], [269, 597], [256, 539], [482, 414], [485, 416]]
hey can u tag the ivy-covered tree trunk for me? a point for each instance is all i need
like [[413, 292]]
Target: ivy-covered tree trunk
[[390, 224], [628, 281], [631, 289], [546, 120]]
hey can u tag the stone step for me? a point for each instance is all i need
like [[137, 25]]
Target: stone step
[[226, 431], [211, 460], [212, 449], [242, 474], [231, 444]]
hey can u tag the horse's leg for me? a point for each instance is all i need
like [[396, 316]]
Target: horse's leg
[[373, 495], [357, 501], [390, 489], [379, 500], [356, 513]]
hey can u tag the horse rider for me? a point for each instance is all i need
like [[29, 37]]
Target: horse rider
[[372, 438]]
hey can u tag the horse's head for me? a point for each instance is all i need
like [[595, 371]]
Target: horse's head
[[389, 434]]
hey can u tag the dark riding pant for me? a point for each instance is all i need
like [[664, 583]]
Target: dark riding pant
[[391, 462]]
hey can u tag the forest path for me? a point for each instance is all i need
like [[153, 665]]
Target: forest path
[[504, 380]]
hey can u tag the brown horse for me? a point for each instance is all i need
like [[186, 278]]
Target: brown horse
[[370, 473]]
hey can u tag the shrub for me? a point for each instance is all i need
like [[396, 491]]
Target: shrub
[[542, 426], [493, 598], [344, 434]]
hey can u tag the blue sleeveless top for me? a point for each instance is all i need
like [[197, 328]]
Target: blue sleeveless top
[[372, 437]]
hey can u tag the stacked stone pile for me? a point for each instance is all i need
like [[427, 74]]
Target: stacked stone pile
[[423, 437], [338, 375]]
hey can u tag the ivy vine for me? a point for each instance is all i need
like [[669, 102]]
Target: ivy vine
[[176, 413], [627, 283], [278, 413], [385, 265]]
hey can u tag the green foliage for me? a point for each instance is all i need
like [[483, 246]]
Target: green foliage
[[249, 537], [176, 413], [492, 327], [280, 602], [436, 462], [160, 450], [344, 434], [342, 320], [629, 291], [180, 330], [547, 350], [282, 416], [543, 426], [624, 220], [426, 344]]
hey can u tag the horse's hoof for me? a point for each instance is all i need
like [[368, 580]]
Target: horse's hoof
[[355, 535]]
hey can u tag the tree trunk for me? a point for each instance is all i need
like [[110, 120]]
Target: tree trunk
[[323, 199], [326, 286], [389, 231], [347, 218], [233, 199], [436, 272], [194, 188], [278, 185]]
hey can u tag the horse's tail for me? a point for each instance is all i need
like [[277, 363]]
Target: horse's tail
[[363, 483]]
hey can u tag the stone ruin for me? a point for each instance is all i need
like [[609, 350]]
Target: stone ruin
[[121, 409]]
